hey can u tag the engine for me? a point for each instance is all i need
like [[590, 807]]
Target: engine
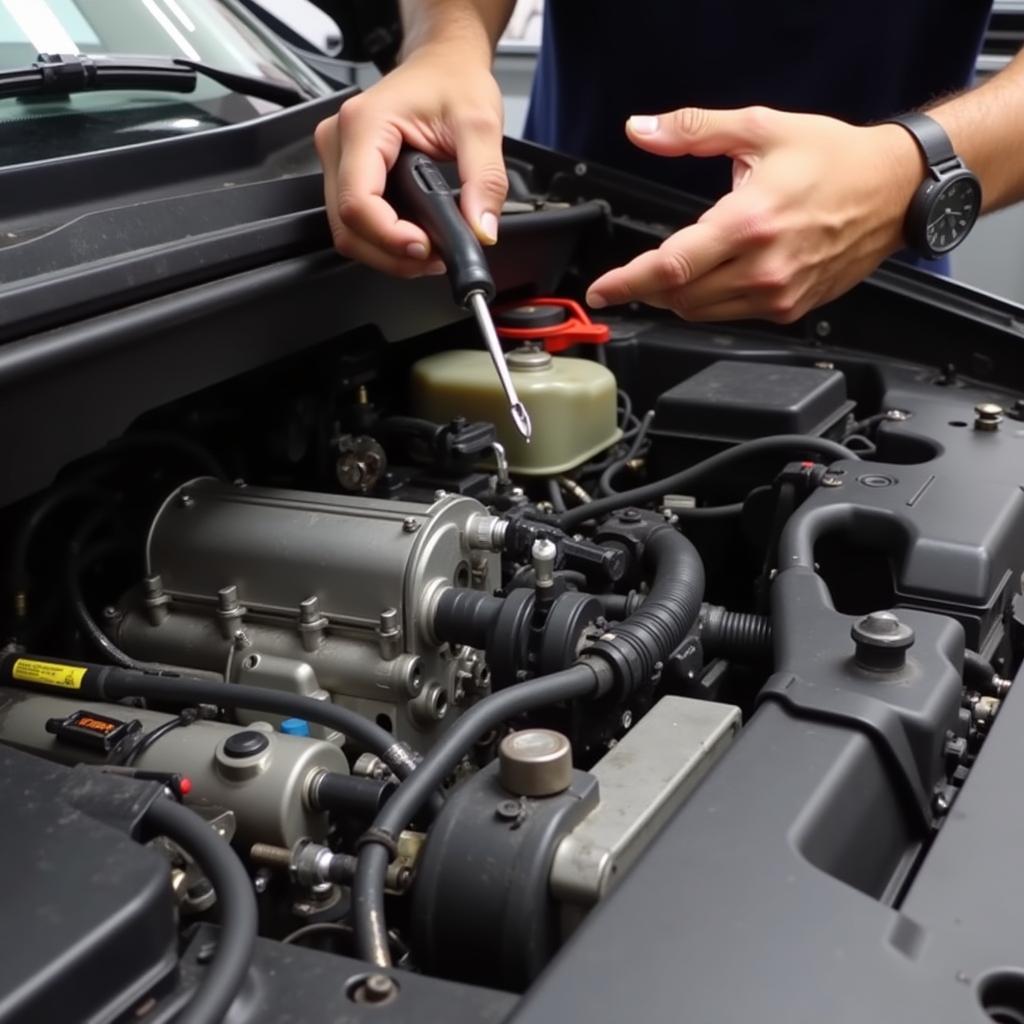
[[439, 689]]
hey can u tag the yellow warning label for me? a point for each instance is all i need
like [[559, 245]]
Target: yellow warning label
[[68, 677]]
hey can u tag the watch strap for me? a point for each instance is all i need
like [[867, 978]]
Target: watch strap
[[930, 136]]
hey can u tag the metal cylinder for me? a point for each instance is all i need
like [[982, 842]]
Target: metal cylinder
[[266, 790]]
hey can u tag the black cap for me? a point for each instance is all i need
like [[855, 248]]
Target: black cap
[[246, 744]]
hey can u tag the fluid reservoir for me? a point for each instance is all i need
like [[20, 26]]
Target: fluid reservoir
[[570, 401]]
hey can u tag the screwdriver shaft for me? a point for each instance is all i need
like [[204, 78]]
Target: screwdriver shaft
[[517, 410]]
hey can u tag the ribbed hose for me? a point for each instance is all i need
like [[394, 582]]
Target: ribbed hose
[[581, 680], [738, 636], [785, 445], [635, 647]]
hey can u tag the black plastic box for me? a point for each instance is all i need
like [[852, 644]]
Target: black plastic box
[[733, 401]]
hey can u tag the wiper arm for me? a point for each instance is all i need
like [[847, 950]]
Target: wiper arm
[[62, 74]]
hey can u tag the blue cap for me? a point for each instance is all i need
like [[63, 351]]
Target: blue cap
[[295, 727]]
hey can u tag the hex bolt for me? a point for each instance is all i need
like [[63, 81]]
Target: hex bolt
[[543, 554], [881, 641], [410, 525], [822, 328], [508, 810], [987, 416], [629, 515], [831, 480], [897, 415], [186, 501]]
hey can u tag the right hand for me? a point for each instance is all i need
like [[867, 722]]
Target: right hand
[[435, 102]]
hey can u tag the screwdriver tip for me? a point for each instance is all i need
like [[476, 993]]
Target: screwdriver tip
[[521, 418]]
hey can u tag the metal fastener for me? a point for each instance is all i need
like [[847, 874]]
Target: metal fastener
[[823, 329], [897, 415], [377, 988], [831, 480], [882, 641], [186, 500], [410, 525], [987, 416]]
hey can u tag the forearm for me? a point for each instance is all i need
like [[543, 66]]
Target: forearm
[[474, 26], [986, 126]]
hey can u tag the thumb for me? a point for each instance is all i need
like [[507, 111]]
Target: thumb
[[695, 131], [482, 172]]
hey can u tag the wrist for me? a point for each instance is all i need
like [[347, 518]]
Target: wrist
[[459, 42], [901, 171]]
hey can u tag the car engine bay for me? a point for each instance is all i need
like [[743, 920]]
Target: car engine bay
[[450, 696]]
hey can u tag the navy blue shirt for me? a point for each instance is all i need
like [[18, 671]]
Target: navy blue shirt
[[859, 60]]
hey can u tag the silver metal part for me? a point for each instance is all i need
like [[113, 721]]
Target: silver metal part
[[334, 595], [486, 533], [987, 416], [266, 791], [520, 417], [543, 555], [643, 779], [535, 762]]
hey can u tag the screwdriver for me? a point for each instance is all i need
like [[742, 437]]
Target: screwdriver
[[420, 194]]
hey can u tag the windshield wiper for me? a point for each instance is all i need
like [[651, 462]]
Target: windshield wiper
[[56, 74]]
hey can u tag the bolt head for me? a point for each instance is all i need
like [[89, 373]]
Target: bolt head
[[882, 641], [627, 718], [410, 525], [987, 416], [823, 329]]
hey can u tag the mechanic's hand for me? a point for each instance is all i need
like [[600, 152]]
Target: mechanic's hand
[[436, 102], [816, 205]]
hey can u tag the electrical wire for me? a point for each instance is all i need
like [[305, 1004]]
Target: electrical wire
[[225, 976], [781, 444], [607, 477]]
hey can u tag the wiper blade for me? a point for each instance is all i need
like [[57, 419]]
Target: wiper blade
[[59, 74]]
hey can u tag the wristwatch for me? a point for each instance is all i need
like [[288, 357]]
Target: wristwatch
[[948, 201]]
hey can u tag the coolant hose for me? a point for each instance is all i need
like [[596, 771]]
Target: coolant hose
[[635, 647], [236, 904], [376, 845], [738, 636]]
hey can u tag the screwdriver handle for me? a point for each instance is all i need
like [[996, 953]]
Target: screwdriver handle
[[419, 192]]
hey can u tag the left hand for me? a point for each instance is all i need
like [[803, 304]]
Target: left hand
[[816, 205]]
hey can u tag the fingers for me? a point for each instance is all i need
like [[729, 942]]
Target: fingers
[[679, 261], [694, 131], [482, 172], [356, 156]]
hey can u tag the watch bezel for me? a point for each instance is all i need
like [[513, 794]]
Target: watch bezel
[[924, 202]]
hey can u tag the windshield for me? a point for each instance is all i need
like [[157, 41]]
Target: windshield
[[216, 32]]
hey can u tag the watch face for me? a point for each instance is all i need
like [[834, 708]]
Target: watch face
[[952, 213]]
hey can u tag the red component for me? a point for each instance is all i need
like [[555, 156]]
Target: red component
[[578, 329], [807, 465], [184, 787]]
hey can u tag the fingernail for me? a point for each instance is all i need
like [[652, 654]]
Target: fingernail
[[643, 124], [489, 227], [417, 250], [595, 301], [435, 269]]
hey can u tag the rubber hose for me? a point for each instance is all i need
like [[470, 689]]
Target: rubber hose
[[781, 444], [349, 795], [224, 978], [118, 683], [666, 616], [738, 636], [979, 674], [583, 679]]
